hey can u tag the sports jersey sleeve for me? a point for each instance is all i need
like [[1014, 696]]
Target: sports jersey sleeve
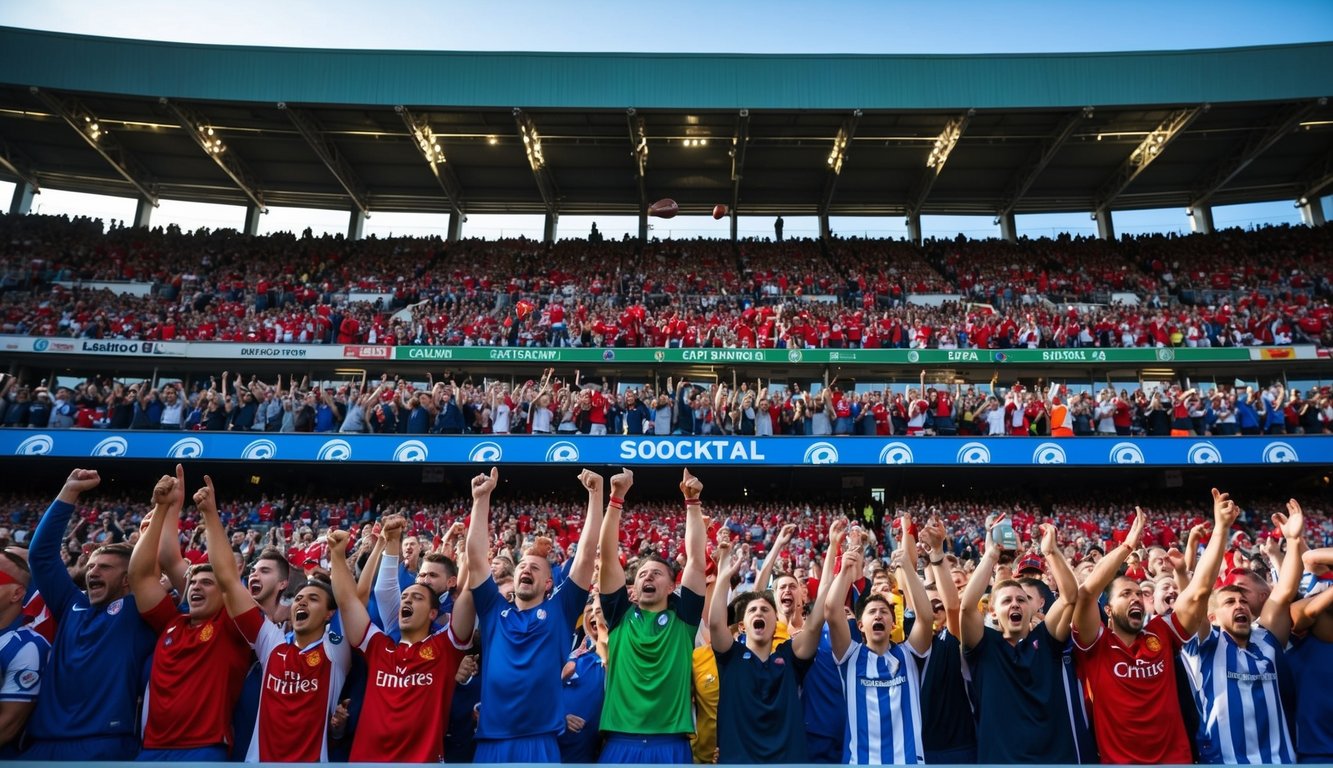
[[690, 607], [1087, 646], [24, 670], [572, 599], [615, 606], [160, 616], [335, 646], [486, 595], [250, 624], [48, 571], [371, 633], [852, 648], [388, 594], [1170, 628]]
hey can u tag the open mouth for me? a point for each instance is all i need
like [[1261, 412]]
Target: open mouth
[[405, 612], [648, 589], [527, 579], [300, 614], [878, 626], [196, 598], [1241, 617], [788, 601], [1136, 613], [95, 584], [758, 625], [256, 586], [1015, 617]]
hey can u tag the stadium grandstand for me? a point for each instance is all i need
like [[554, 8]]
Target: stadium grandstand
[[549, 482]]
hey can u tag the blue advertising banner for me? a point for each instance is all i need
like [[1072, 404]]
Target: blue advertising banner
[[617, 450]]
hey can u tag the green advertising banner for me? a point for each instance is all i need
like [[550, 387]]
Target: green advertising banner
[[557, 355]]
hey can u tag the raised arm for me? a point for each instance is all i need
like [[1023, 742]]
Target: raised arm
[[479, 527], [169, 557], [696, 535], [923, 631], [234, 593], [581, 571], [1192, 603], [934, 537], [806, 642], [780, 543], [971, 622], [145, 576], [718, 629], [1276, 615], [1058, 618], [48, 569], [368, 580], [840, 636], [610, 573], [1087, 612], [355, 619]]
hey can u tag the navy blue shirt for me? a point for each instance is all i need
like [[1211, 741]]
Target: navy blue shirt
[[758, 710], [947, 722], [1023, 708]]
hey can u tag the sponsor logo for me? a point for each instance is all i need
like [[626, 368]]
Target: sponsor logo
[[1166, 354], [1204, 453], [913, 356], [659, 355], [609, 354], [1126, 453], [821, 453], [368, 352], [40, 345], [1280, 453], [794, 356], [1000, 357], [896, 453], [1141, 669], [411, 450], [963, 356], [206, 633], [111, 446], [390, 680], [722, 355], [274, 351], [973, 453], [425, 353], [1072, 355], [186, 448], [61, 346], [291, 683], [28, 678], [692, 450], [113, 347], [1048, 453], [37, 445], [891, 682], [260, 450], [485, 453], [562, 451], [335, 638], [335, 450], [525, 353]]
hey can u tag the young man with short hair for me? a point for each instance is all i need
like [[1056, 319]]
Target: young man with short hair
[[24, 654]]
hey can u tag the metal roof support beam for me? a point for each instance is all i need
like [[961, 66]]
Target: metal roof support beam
[[251, 220], [1312, 212], [939, 155], [21, 203], [1037, 162], [836, 157], [328, 153], [740, 139], [420, 131], [200, 129], [1201, 219], [638, 139], [1152, 147], [1283, 123], [532, 147], [14, 161], [1319, 177], [85, 123]]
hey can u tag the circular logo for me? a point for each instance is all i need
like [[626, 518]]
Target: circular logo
[[260, 450], [794, 356], [1204, 453], [426, 652], [913, 356], [1154, 645], [1048, 453], [28, 678], [659, 355], [206, 633], [485, 453], [186, 448], [821, 453], [115, 606], [313, 658], [37, 445], [896, 453], [562, 451], [411, 450], [111, 446], [1280, 453], [541, 614], [40, 345], [609, 354], [1166, 354], [335, 450], [973, 453], [662, 620], [1126, 453]]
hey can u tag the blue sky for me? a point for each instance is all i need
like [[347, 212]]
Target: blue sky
[[776, 26]]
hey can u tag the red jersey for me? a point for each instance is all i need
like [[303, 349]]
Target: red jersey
[[1135, 710], [191, 659], [299, 694], [408, 692]]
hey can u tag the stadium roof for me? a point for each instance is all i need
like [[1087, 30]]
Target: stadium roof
[[334, 129]]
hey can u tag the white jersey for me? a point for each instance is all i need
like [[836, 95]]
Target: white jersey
[[1236, 691], [883, 695]]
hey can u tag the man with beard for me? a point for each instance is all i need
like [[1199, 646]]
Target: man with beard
[[302, 673], [98, 630], [1128, 665], [1024, 698], [528, 641], [1233, 664], [201, 650], [646, 714]]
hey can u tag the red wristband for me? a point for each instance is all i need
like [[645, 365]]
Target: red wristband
[[617, 502], [691, 501]]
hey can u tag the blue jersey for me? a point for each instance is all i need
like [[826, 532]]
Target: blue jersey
[[821, 693], [1023, 702], [24, 655], [581, 695], [946, 709], [110, 642], [1236, 691], [1310, 660], [883, 695], [524, 653]]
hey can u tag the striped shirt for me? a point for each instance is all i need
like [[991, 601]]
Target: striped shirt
[[883, 695], [1236, 691], [23, 657]]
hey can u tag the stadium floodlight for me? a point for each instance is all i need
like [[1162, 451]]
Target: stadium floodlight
[[836, 157], [95, 134], [208, 138], [428, 144], [532, 147], [940, 150], [1148, 150]]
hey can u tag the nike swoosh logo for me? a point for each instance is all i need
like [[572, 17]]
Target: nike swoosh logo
[[78, 607]]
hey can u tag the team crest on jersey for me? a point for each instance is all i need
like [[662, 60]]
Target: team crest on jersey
[[779, 662], [1154, 644], [541, 614], [504, 613], [662, 620], [313, 659], [206, 633], [426, 652], [335, 638], [114, 608], [28, 678]]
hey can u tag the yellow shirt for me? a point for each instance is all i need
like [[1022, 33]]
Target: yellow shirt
[[706, 688], [898, 607]]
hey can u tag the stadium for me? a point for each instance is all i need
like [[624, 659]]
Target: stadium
[[328, 382]]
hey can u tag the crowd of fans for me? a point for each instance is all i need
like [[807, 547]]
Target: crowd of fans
[[1235, 288], [580, 405]]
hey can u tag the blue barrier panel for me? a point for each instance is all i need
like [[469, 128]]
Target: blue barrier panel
[[617, 449]]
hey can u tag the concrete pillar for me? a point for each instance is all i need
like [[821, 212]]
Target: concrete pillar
[[21, 203], [824, 231], [356, 223], [1201, 220], [251, 220], [914, 227], [455, 226], [143, 214], [1105, 225], [1009, 227], [1312, 212], [552, 224]]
